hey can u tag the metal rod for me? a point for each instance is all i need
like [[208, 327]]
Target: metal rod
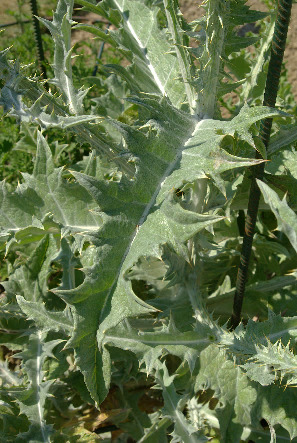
[[38, 39], [271, 88]]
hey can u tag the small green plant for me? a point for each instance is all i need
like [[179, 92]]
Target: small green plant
[[121, 269]]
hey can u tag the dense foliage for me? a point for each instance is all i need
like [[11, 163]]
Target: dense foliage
[[121, 268]]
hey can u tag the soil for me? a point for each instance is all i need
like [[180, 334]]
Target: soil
[[290, 57], [190, 10], [5, 6]]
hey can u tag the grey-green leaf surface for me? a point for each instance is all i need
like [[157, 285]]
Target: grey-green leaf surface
[[44, 319], [99, 223], [173, 405], [60, 29], [155, 68], [286, 217], [146, 214], [46, 192], [32, 400], [284, 137], [144, 210], [231, 386]]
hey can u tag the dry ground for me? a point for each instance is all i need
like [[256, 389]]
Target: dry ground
[[4, 5]]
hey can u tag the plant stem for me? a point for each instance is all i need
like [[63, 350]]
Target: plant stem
[[38, 39], [100, 52], [271, 88]]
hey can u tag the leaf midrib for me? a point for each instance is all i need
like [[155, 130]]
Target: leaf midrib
[[145, 213]]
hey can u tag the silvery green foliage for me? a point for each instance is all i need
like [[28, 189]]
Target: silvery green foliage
[[155, 201]]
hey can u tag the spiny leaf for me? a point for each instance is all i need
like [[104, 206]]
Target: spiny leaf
[[253, 82], [155, 68], [220, 42], [9, 377], [173, 405], [279, 409], [286, 217], [271, 362], [151, 345], [145, 213], [178, 35], [231, 386], [32, 400], [30, 279], [60, 29], [46, 192], [44, 319], [284, 137], [48, 110]]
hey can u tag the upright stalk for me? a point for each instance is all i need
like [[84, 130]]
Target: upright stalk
[[100, 52], [38, 39], [272, 83]]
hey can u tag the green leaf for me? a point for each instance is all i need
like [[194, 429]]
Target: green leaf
[[279, 409], [60, 29], [176, 28], [282, 138], [32, 400], [218, 32], [8, 377], [254, 77], [142, 209], [263, 333], [151, 345], [146, 214], [286, 217], [280, 358], [173, 405], [157, 432], [30, 279], [28, 142], [233, 389], [155, 69], [44, 319], [46, 192]]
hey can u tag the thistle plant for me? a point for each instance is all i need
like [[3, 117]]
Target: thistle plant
[[122, 269]]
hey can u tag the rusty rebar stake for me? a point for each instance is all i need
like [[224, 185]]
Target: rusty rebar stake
[[271, 88], [38, 39]]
